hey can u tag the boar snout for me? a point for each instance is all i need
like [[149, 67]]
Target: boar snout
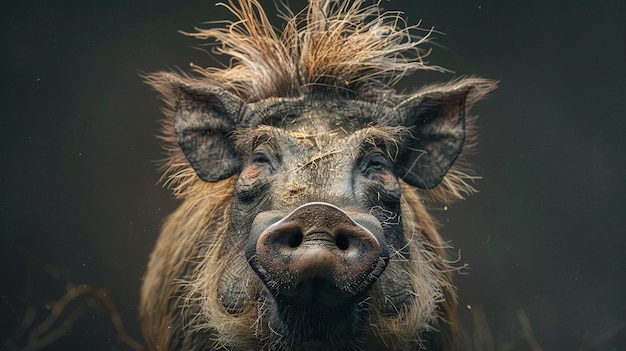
[[317, 249]]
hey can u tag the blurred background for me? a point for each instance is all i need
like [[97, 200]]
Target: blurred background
[[545, 237]]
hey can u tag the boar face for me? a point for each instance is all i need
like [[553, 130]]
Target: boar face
[[302, 227]]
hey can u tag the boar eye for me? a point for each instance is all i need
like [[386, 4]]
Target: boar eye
[[375, 162], [261, 157]]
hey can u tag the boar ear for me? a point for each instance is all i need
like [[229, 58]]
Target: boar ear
[[205, 117], [436, 121]]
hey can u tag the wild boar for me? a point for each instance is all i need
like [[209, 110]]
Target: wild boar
[[304, 178]]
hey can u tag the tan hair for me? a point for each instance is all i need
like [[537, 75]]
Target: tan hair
[[341, 46], [180, 289], [331, 45]]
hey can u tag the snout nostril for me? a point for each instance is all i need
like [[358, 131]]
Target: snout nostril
[[342, 241], [317, 252], [294, 239]]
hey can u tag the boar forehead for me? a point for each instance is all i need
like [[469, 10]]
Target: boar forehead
[[318, 142], [318, 114], [317, 134]]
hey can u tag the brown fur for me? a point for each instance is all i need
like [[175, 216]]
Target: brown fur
[[344, 47], [328, 46], [196, 232]]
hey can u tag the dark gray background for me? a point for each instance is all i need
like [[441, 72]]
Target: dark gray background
[[546, 233]]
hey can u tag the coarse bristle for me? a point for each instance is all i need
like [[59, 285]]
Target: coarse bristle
[[336, 45]]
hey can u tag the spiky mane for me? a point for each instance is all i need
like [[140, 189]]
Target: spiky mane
[[337, 45], [334, 47]]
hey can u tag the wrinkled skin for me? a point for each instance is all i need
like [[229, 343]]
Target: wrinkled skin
[[312, 250], [336, 163], [304, 179]]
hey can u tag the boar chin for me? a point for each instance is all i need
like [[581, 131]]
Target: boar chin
[[318, 320]]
